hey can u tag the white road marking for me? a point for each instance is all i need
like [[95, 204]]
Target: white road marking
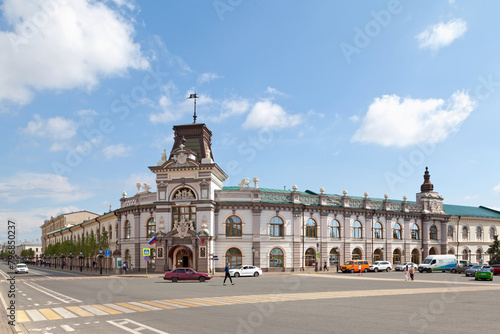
[[67, 328], [54, 294], [64, 313], [120, 308], [121, 323], [170, 304], [149, 307], [29, 299], [4, 274], [35, 315], [94, 310]]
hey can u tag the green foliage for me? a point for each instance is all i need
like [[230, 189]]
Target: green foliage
[[494, 251]]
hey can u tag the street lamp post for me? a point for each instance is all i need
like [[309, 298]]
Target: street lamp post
[[81, 261], [70, 260], [253, 256], [100, 261], [54, 257], [62, 261]]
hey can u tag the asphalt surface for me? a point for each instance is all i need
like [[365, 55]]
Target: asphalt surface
[[49, 301]]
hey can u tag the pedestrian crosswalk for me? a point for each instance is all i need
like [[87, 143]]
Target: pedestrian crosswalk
[[87, 311]]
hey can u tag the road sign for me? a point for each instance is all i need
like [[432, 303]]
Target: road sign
[[107, 252], [146, 258], [146, 251], [317, 255]]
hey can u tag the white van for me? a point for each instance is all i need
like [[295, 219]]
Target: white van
[[438, 263]]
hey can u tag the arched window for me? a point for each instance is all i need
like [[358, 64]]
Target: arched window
[[311, 230], [334, 257], [334, 229], [276, 227], [128, 258], [465, 255], [396, 256], [127, 230], [492, 233], [415, 232], [110, 233], [479, 233], [377, 231], [465, 233], [377, 255], [479, 256], [310, 257], [415, 256], [356, 254], [356, 230], [396, 232], [450, 233], [276, 258], [433, 232], [433, 251], [233, 226], [151, 227], [233, 256]]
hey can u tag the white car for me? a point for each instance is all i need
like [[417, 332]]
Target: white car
[[380, 266], [21, 268], [245, 271]]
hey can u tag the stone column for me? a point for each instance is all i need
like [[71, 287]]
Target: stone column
[[137, 254], [324, 252]]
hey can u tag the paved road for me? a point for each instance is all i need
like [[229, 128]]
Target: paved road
[[53, 302]]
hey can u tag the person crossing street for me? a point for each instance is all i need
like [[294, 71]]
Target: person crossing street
[[227, 275]]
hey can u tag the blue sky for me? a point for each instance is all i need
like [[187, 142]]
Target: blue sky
[[351, 95]]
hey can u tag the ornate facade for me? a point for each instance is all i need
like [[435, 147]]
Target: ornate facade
[[200, 223]]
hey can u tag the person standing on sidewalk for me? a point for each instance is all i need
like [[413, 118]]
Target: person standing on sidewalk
[[226, 270], [407, 274], [412, 273]]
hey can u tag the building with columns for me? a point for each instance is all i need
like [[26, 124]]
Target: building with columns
[[196, 220]]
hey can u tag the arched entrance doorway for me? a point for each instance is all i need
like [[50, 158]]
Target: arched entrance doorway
[[433, 251], [356, 254], [377, 255], [415, 258], [396, 256], [334, 257], [180, 256]]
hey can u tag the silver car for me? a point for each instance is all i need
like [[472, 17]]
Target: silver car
[[472, 270], [401, 267], [21, 268]]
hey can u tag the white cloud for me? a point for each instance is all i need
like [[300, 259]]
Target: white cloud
[[441, 34], [315, 114], [266, 114], [392, 122], [58, 129], [274, 91], [231, 107], [86, 113], [25, 185], [496, 189], [354, 118], [116, 151], [207, 77], [60, 45]]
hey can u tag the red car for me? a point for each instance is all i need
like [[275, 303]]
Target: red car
[[186, 274], [495, 268]]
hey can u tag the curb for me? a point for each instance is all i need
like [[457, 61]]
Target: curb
[[3, 315]]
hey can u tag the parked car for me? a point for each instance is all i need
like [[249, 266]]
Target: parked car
[[401, 267], [495, 268], [180, 274], [462, 268], [353, 266], [21, 268], [484, 273], [380, 265], [245, 271], [472, 270]]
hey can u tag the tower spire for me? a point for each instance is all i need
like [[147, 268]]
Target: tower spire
[[194, 96], [427, 185]]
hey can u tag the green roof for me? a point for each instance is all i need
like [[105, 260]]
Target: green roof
[[470, 211]]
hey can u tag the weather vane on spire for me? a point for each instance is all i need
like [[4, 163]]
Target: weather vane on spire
[[194, 96]]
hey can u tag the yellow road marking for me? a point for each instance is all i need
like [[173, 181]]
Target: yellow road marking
[[49, 314], [22, 317], [80, 311], [166, 307], [133, 307], [181, 303], [107, 309], [203, 301]]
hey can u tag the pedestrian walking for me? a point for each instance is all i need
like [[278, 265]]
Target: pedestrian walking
[[407, 274], [325, 268], [359, 270], [125, 267], [226, 270], [412, 273], [131, 267]]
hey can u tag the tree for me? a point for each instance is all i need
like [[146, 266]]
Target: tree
[[494, 251]]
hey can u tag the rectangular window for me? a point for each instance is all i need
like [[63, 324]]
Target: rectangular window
[[203, 252]]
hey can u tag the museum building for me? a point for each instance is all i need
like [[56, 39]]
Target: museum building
[[200, 223]]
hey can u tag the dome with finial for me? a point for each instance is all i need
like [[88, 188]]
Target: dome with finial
[[427, 186]]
